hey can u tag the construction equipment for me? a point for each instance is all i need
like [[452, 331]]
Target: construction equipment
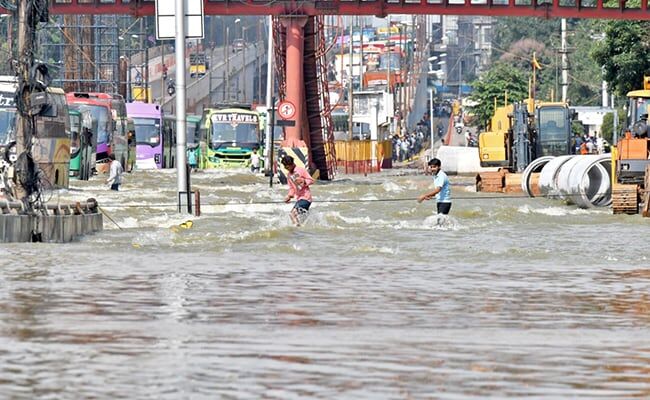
[[630, 157], [520, 133]]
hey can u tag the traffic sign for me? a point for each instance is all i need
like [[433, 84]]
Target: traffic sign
[[286, 109], [166, 19]]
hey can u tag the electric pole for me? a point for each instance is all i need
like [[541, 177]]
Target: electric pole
[[24, 168], [565, 62]]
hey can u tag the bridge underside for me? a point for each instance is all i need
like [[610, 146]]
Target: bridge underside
[[520, 8]]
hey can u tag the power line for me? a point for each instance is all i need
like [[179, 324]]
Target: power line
[[344, 201]]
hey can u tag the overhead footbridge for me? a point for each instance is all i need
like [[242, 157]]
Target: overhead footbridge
[[507, 8]]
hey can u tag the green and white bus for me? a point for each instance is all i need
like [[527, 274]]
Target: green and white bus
[[228, 137]]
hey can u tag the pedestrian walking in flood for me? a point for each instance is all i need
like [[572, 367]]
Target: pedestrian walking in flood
[[115, 173], [299, 181], [191, 158], [255, 161], [441, 190]]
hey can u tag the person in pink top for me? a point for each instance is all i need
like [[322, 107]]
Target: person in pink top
[[299, 181]]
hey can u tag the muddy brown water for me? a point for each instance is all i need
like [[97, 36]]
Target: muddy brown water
[[373, 298]]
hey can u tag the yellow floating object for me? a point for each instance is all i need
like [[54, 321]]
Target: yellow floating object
[[187, 224]]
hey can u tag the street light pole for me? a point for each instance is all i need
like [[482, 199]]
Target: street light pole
[[244, 67], [227, 48], [268, 149], [162, 81], [181, 123], [146, 60], [431, 118]]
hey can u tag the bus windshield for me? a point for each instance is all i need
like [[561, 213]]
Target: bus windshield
[[100, 118], [7, 124], [235, 128], [147, 131]]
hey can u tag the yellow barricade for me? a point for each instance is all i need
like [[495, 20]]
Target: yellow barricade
[[356, 156]]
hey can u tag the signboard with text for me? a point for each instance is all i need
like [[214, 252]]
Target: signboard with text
[[166, 19]]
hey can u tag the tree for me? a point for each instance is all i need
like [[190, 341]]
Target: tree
[[607, 128], [517, 38], [499, 80], [509, 30], [624, 54]]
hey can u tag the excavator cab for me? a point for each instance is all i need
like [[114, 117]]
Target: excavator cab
[[633, 148], [494, 143], [630, 157], [553, 126]]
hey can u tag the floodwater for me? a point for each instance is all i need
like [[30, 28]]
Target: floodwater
[[373, 298]]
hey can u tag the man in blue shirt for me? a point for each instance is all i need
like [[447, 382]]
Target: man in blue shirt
[[441, 190]]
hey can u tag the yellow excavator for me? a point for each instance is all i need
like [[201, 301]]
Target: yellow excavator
[[520, 133], [630, 156]]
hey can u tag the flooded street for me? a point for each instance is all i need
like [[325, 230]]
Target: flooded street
[[373, 298]]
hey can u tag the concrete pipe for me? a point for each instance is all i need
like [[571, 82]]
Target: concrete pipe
[[534, 167], [562, 179], [548, 176], [588, 184]]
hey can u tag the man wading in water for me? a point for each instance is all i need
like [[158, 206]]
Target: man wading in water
[[299, 181], [441, 190]]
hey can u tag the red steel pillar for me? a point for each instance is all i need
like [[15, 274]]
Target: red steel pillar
[[295, 83]]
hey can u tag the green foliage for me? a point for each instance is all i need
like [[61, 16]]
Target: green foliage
[[509, 30], [502, 78], [607, 128], [624, 54], [577, 128], [515, 40]]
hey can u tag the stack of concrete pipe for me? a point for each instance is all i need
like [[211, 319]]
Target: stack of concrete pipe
[[583, 180]]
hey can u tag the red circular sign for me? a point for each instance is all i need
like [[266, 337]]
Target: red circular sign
[[286, 109]]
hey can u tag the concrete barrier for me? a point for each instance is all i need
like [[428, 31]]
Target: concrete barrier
[[17, 228], [53, 228], [461, 160]]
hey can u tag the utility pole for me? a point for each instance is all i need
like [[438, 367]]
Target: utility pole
[[146, 60], [565, 62], [270, 112], [25, 174], [226, 48], [162, 81], [181, 123], [360, 20], [243, 78], [350, 89]]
